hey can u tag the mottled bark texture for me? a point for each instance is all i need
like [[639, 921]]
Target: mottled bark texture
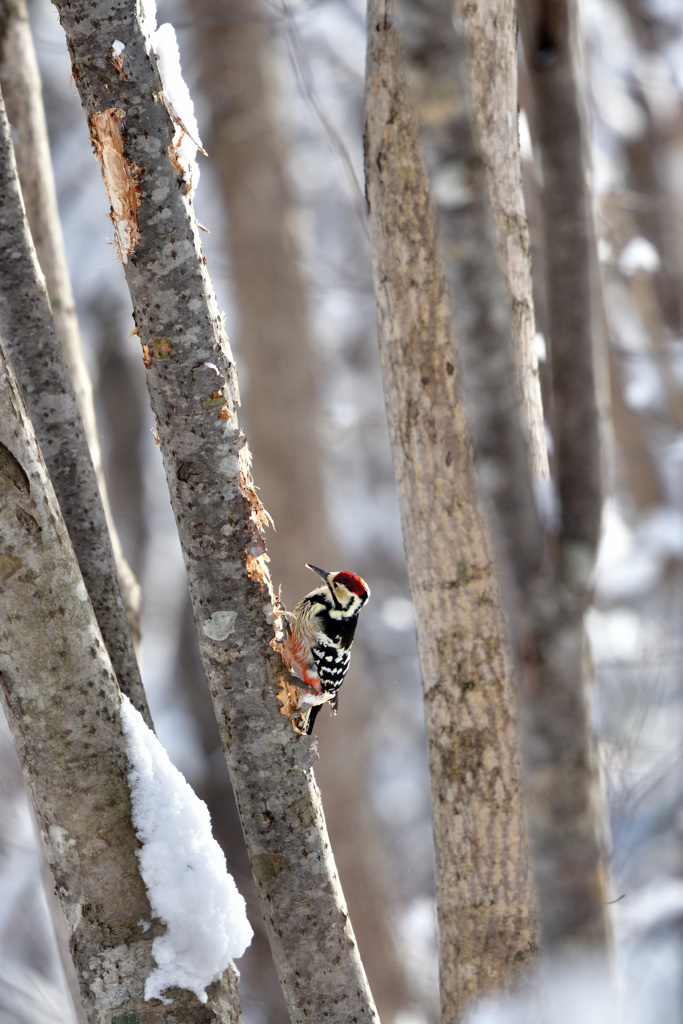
[[62, 701], [193, 388], [550, 572], [236, 50], [21, 89], [485, 901], [491, 32], [32, 346]]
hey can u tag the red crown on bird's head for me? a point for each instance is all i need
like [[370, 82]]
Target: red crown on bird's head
[[354, 583]]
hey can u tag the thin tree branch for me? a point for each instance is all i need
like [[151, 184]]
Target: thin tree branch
[[31, 344], [485, 900], [61, 698], [491, 33], [193, 388], [436, 64], [20, 82], [570, 268]]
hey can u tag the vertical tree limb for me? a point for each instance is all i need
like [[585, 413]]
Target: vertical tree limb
[[491, 33], [32, 346], [61, 698], [193, 388], [570, 268], [485, 901], [547, 604], [247, 142], [20, 82]]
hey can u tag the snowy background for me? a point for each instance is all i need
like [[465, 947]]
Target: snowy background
[[314, 66]]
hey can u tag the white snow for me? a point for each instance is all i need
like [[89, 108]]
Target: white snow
[[149, 15], [397, 613], [184, 870], [118, 47], [526, 149], [630, 562], [540, 346], [547, 503], [639, 256], [186, 139]]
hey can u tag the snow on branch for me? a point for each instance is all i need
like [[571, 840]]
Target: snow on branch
[[184, 871]]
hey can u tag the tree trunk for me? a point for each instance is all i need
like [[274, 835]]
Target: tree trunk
[[248, 148], [193, 388], [549, 574], [31, 344], [20, 81], [62, 702], [487, 925], [491, 32]]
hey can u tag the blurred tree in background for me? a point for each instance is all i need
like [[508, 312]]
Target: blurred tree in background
[[278, 91]]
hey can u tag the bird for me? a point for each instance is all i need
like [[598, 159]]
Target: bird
[[317, 638]]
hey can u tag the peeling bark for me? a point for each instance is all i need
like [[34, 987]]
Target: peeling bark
[[31, 344], [485, 900], [193, 388], [121, 177], [62, 702]]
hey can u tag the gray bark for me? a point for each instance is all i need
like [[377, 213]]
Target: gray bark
[[61, 698], [219, 517], [547, 605], [21, 88], [485, 901], [31, 344]]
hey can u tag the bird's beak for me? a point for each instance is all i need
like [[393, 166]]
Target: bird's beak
[[323, 573]]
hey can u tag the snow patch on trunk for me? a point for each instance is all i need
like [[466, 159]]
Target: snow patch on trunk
[[184, 870]]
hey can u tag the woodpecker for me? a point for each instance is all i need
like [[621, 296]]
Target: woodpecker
[[317, 639]]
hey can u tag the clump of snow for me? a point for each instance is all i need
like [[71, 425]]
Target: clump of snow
[[149, 15], [630, 563], [639, 256], [186, 139], [540, 346], [397, 613], [547, 503], [643, 385], [526, 149], [117, 47], [184, 871]]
